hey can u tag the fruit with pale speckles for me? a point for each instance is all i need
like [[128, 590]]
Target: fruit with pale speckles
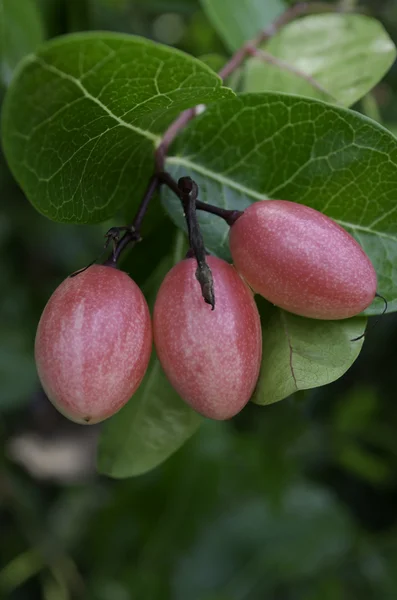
[[93, 344], [302, 261], [211, 357]]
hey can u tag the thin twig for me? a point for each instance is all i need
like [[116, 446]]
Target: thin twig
[[230, 216], [282, 64], [132, 233], [295, 12], [292, 13], [170, 134]]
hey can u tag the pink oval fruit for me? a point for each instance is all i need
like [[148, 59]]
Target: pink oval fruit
[[93, 344], [211, 357], [302, 261]]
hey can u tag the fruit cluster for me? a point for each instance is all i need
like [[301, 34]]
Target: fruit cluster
[[94, 338]]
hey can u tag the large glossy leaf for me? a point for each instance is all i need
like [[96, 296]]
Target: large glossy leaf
[[83, 116], [345, 54], [299, 353], [156, 421], [237, 21], [287, 147], [21, 31]]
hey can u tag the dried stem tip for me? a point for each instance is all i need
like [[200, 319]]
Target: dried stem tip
[[188, 195]]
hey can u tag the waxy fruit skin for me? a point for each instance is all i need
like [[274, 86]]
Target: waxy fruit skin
[[211, 357], [302, 261], [93, 344]]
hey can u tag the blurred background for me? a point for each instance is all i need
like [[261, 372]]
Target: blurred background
[[295, 501]]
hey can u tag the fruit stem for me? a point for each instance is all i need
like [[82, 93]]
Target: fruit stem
[[230, 216], [188, 195], [132, 233]]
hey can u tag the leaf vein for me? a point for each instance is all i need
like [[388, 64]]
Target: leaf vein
[[144, 133], [179, 161]]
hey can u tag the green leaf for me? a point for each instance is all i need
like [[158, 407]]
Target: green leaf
[[153, 425], [300, 354], [21, 31], [155, 422], [83, 116], [345, 54], [260, 146], [237, 21]]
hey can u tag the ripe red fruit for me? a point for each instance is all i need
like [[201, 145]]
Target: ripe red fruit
[[93, 344], [302, 261], [211, 357]]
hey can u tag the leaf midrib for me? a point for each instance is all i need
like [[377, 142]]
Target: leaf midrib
[[223, 180]]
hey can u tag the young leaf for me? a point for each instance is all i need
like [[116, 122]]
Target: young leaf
[[291, 148], [345, 54], [84, 114], [21, 31], [237, 21], [300, 354], [156, 421]]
